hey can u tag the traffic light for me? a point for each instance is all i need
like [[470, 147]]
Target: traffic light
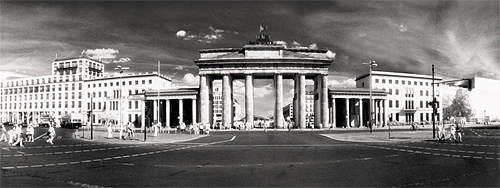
[[89, 113]]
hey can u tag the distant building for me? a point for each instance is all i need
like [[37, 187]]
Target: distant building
[[238, 112]]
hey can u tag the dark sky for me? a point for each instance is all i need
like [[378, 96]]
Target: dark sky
[[460, 37]]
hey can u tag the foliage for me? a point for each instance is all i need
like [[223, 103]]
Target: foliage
[[460, 106]]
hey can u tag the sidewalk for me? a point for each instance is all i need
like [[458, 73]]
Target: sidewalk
[[163, 138], [397, 134]]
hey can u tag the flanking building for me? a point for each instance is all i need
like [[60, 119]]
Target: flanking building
[[408, 96], [76, 85]]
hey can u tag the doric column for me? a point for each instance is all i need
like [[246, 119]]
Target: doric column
[[317, 101], [193, 110], [380, 112], [361, 113], [227, 101], [167, 113], [295, 111], [181, 110], [347, 113], [204, 100], [324, 100], [155, 110], [302, 101], [249, 99], [334, 111], [278, 108], [143, 114]]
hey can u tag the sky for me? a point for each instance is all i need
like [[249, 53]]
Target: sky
[[461, 38]]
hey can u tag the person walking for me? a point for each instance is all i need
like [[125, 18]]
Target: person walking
[[30, 131], [51, 135], [155, 128], [110, 131], [441, 133], [452, 133], [4, 134], [18, 138], [458, 130]]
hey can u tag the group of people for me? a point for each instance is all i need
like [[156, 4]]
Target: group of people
[[455, 132], [16, 136], [126, 131]]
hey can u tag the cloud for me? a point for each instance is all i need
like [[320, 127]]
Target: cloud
[[341, 82], [191, 80], [122, 60], [295, 43], [180, 33], [330, 54], [10, 75], [210, 36], [281, 42], [313, 46], [105, 55]]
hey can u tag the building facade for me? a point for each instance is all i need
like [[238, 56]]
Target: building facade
[[26, 100], [408, 95]]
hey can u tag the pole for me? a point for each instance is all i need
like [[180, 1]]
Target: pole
[[91, 113], [144, 106], [371, 105], [433, 106], [158, 95]]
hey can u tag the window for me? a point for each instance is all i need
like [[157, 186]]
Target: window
[[396, 81], [390, 81], [123, 83], [376, 80], [143, 81], [136, 104], [390, 103], [421, 92], [397, 104], [397, 91], [137, 82], [150, 81], [111, 84], [409, 82], [403, 82], [414, 82], [426, 93], [362, 84], [383, 81], [129, 82], [421, 104]]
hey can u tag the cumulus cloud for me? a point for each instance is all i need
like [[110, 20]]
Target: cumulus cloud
[[191, 80], [105, 55], [281, 42], [313, 46], [180, 33], [330, 54], [295, 43], [341, 81]]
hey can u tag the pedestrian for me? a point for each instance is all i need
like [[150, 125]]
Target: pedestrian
[[30, 130], [452, 133], [440, 132], [110, 131], [155, 128], [4, 134], [202, 127], [121, 132], [51, 133], [458, 130], [11, 134], [18, 138]]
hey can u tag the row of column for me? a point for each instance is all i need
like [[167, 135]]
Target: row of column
[[321, 104], [378, 110], [18, 117], [155, 109]]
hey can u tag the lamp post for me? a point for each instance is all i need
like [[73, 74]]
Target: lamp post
[[120, 69], [371, 63], [145, 112]]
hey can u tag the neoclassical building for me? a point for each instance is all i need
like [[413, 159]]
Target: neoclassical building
[[264, 59]]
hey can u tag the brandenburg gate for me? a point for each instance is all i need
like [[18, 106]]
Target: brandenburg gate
[[264, 59]]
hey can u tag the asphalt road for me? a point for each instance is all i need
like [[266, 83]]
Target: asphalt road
[[254, 159]]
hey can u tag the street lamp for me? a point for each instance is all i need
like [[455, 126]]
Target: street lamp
[[371, 63], [120, 69]]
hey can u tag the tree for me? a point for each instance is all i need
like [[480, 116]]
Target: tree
[[460, 106], [446, 103]]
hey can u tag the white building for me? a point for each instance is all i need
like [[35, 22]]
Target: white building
[[408, 94], [26, 99], [74, 83]]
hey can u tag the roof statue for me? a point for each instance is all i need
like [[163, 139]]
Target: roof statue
[[263, 37]]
